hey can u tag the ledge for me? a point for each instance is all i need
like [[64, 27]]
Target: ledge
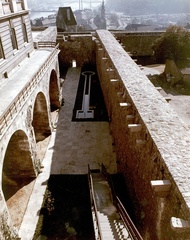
[[140, 142], [124, 104], [179, 225], [135, 127], [161, 187]]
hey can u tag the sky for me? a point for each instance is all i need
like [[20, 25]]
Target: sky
[[83, 3], [75, 4]]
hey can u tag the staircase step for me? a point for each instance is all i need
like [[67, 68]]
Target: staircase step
[[111, 225], [107, 235]]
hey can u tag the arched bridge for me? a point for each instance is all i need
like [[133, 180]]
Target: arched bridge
[[29, 96]]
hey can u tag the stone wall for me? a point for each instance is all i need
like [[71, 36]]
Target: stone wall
[[79, 47], [151, 142], [137, 43]]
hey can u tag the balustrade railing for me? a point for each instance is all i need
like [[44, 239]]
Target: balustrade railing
[[42, 44], [129, 225], [93, 204], [18, 101]]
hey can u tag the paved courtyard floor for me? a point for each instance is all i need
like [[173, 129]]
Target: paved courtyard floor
[[72, 146]]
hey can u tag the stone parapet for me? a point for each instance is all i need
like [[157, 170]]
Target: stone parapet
[[151, 141]]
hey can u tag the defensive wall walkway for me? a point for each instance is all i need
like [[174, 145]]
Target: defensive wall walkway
[[152, 143]]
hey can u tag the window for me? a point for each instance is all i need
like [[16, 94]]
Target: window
[[13, 38], [13, 35], [1, 50], [24, 32]]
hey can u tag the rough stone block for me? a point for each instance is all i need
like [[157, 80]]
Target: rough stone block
[[179, 224], [124, 104], [135, 127], [161, 187], [140, 142]]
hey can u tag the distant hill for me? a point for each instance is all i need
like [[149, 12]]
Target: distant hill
[[148, 6]]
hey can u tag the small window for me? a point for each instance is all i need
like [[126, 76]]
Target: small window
[[1, 50], [24, 32], [13, 38]]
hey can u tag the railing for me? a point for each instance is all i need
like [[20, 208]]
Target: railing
[[93, 203], [42, 44], [133, 232], [18, 101]]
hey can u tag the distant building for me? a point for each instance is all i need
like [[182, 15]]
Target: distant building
[[65, 19], [140, 27]]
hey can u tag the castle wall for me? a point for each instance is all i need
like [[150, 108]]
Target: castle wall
[[137, 43], [150, 140], [79, 47]]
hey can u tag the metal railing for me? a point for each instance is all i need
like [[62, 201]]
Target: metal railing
[[93, 203], [129, 225], [18, 101]]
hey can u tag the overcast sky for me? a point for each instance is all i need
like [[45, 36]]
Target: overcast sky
[[84, 4], [75, 4]]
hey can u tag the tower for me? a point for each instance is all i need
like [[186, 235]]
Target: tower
[[103, 15], [103, 11], [80, 5]]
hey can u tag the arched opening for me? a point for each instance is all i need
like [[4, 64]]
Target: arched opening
[[54, 92], [40, 121], [17, 177], [41, 126]]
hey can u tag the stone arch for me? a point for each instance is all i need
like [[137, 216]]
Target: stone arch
[[17, 173], [54, 92], [40, 121]]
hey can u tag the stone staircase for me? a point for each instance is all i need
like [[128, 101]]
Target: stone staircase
[[111, 226], [112, 229]]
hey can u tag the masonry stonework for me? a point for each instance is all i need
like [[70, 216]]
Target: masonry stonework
[[18, 141], [137, 43], [151, 142], [78, 47]]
